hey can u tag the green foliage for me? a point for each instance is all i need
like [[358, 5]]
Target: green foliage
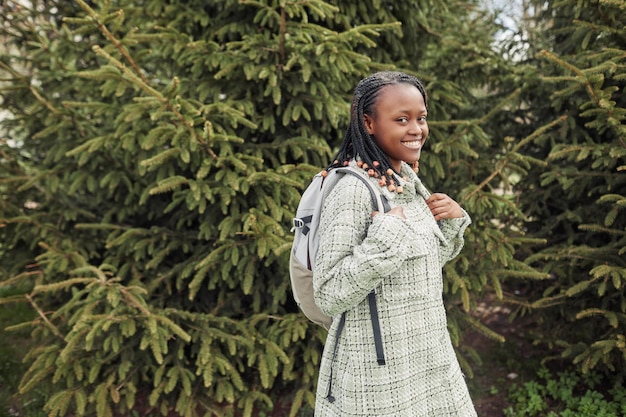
[[573, 76], [154, 154], [567, 394], [153, 163], [13, 346]]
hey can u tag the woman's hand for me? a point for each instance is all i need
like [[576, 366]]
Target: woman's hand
[[443, 207]]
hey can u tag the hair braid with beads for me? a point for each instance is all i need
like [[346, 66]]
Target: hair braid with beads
[[357, 142]]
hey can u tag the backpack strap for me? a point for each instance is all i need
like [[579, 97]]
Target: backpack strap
[[381, 204], [380, 201]]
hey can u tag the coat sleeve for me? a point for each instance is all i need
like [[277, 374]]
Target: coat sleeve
[[355, 251], [453, 230]]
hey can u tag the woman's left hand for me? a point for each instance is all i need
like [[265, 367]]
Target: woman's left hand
[[444, 207]]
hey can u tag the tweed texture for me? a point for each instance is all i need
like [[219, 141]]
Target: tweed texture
[[402, 260]]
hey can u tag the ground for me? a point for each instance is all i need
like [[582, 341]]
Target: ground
[[503, 364]]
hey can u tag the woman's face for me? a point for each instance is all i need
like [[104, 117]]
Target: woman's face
[[398, 123]]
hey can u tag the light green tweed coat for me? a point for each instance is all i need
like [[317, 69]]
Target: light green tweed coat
[[402, 260]]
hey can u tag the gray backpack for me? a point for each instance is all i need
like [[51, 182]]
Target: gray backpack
[[306, 241]]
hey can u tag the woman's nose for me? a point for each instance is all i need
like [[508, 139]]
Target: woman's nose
[[415, 128]]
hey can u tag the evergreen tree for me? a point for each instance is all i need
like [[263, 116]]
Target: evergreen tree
[[155, 154], [573, 76]]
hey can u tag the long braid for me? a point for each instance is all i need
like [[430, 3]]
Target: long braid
[[357, 142]]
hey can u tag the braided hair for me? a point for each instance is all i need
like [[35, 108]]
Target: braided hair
[[357, 142]]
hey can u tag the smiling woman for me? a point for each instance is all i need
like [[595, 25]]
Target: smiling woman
[[379, 275]]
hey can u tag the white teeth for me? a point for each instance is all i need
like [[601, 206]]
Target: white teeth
[[413, 144]]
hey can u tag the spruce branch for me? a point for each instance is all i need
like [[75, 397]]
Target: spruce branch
[[509, 156], [30, 87], [107, 34], [484, 330], [51, 326], [156, 94], [13, 280], [580, 74], [468, 123], [138, 76], [283, 31], [599, 229]]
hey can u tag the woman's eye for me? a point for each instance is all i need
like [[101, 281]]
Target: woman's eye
[[403, 119]]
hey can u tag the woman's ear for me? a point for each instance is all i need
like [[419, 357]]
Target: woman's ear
[[369, 123]]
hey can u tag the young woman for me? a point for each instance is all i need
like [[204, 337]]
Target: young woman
[[397, 255]]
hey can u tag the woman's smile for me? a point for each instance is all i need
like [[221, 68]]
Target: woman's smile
[[413, 144]]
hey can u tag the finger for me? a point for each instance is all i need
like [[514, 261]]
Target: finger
[[438, 213], [439, 204], [436, 196]]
